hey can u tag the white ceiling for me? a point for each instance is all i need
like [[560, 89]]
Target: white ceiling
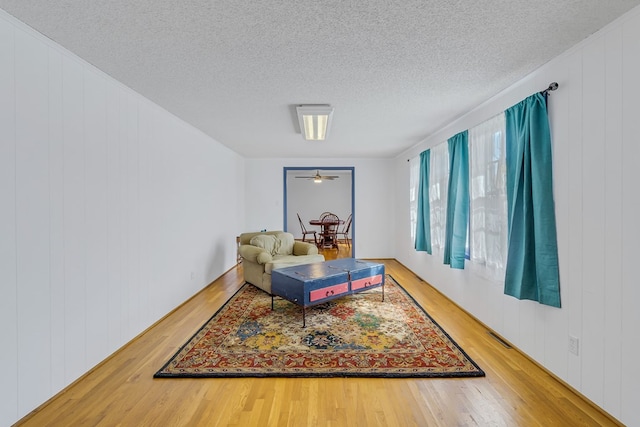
[[395, 70]]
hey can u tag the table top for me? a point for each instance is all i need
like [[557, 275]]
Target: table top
[[325, 222], [341, 266]]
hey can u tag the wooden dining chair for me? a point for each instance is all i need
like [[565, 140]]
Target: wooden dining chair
[[305, 231], [323, 214], [344, 232], [329, 231]]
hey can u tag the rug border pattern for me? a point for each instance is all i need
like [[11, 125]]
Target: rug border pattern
[[301, 373]]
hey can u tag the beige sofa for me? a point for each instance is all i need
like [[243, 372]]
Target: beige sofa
[[264, 252]]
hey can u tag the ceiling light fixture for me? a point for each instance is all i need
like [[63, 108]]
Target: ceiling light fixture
[[315, 121]]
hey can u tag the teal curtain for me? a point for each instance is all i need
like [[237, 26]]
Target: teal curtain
[[423, 224], [457, 201], [532, 258]]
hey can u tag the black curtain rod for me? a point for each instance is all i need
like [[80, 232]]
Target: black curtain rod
[[552, 86]]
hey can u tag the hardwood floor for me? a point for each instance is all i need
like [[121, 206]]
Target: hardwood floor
[[122, 391], [343, 251]]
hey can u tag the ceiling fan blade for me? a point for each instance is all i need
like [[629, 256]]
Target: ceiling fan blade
[[320, 177]]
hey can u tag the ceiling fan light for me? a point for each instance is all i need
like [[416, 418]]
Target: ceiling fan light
[[317, 180], [315, 121]]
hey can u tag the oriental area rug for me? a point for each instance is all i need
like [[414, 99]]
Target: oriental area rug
[[355, 336]]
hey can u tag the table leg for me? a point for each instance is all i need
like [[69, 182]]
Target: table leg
[[304, 317]]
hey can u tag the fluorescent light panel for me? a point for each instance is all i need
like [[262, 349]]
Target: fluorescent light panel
[[315, 121]]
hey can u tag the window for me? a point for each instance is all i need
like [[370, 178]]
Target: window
[[488, 204], [438, 185], [414, 179]]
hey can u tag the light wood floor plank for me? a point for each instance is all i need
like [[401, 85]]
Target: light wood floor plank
[[122, 390]]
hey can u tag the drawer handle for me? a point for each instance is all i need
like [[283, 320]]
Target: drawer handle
[[367, 284], [329, 293]]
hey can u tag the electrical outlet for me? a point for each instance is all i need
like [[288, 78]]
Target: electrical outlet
[[574, 345]]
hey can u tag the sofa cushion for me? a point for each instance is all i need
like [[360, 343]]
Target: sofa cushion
[[286, 244], [278, 244], [264, 241], [245, 238]]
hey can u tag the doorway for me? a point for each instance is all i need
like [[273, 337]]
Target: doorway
[[304, 196]]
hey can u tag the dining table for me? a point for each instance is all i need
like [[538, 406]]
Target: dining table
[[328, 231]]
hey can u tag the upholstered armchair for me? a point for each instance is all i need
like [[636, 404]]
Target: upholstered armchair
[[264, 252]]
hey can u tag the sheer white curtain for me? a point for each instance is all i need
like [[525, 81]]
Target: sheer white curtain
[[414, 177], [488, 204], [438, 185]]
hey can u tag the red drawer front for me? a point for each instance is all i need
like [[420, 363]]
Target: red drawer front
[[328, 292], [366, 282]]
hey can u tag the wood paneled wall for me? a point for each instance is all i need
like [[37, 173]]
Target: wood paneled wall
[[110, 215], [594, 119]]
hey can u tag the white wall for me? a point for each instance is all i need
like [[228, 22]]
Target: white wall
[[111, 215], [594, 116], [373, 213]]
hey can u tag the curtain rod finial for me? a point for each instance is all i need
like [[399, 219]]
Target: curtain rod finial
[[552, 86]]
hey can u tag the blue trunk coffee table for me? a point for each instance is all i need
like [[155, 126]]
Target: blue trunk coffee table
[[310, 284]]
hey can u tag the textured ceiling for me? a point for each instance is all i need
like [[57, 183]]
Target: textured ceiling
[[395, 70]]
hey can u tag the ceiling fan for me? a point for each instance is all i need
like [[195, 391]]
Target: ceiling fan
[[318, 178]]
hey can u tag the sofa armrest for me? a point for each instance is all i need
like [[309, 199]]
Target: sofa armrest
[[304, 248], [255, 254]]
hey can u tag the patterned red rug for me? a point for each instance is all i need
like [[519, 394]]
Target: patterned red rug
[[355, 336]]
